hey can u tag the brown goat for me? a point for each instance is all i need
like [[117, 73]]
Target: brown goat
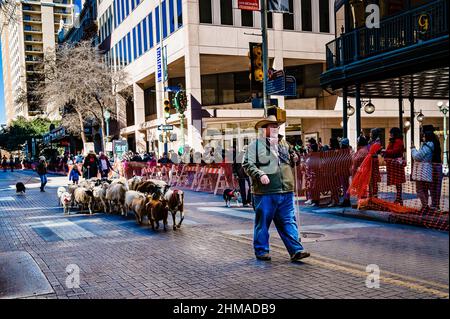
[[157, 210]]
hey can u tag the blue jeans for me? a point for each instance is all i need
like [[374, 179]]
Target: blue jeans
[[280, 209], [43, 178]]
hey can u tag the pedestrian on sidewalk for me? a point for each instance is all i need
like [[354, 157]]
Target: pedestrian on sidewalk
[[105, 165], [11, 163], [395, 162], [74, 175], [90, 165], [42, 172], [269, 162], [4, 163], [243, 179]]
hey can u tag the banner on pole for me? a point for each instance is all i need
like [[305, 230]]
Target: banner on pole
[[252, 5], [278, 6]]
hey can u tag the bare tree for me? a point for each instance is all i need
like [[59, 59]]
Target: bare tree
[[78, 81], [9, 13]]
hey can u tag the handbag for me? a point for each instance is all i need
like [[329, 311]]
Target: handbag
[[422, 172]]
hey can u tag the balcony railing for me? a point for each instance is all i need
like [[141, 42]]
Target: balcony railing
[[406, 29]]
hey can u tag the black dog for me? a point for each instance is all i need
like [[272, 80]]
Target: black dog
[[20, 188], [231, 194]]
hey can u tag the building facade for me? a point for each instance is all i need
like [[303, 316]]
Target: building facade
[[26, 38], [207, 43]]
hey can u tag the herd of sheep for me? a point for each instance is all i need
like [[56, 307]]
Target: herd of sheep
[[151, 198]]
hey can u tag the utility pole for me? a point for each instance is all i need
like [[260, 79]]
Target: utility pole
[[265, 53], [165, 75]]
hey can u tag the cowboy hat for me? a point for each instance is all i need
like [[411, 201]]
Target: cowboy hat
[[271, 119], [428, 128], [41, 158]]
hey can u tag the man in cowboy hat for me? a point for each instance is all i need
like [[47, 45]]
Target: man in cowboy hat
[[268, 162]]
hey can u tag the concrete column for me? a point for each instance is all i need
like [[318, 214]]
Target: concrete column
[[315, 16], [297, 15], [139, 116], [192, 74]]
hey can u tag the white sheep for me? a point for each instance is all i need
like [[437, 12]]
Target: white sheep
[[84, 197], [99, 193], [59, 192], [135, 201], [115, 194], [65, 200]]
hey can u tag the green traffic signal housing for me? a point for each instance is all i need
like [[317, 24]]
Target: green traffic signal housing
[[167, 108]]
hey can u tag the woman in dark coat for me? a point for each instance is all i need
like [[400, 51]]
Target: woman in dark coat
[[90, 166], [395, 163]]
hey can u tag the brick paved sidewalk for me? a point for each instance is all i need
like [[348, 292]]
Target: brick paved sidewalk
[[119, 259]]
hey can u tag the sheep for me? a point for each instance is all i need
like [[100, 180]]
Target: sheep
[[99, 193], [157, 210], [136, 201], [121, 180], [116, 194], [134, 182], [59, 192], [71, 189], [152, 186], [83, 197], [65, 200], [175, 202]]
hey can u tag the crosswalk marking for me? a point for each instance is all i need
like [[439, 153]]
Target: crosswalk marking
[[67, 230]]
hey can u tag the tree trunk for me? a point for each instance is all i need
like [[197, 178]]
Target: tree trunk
[[83, 135], [102, 123]]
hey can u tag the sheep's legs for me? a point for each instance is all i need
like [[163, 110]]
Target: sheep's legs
[[181, 219], [174, 222]]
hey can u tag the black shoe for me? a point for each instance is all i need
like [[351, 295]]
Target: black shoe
[[265, 257], [300, 255]]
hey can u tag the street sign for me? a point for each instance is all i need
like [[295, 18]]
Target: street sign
[[172, 89], [278, 6], [277, 83], [291, 86], [258, 103], [252, 5], [159, 64], [119, 148], [165, 127]]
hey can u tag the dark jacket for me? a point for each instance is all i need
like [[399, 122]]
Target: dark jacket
[[41, 168]]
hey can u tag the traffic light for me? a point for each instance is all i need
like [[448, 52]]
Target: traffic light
[[166, 108], [280, 114], [256, 66], [180, 101]]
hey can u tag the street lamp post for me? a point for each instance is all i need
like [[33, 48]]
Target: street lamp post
[[107, 116], [444, 110]]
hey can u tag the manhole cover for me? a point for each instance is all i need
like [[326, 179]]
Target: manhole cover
[[311, 235]]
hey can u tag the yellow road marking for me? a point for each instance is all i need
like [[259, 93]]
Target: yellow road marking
[[355, 269]]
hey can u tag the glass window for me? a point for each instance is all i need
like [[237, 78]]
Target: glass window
[[135, 52], [139, 39], [127, 7], [269, 20], [205, 11], [122, 10], [115, 13], [144, 31], [116, 56], [120, 54], [241, 87], [158, 35], [150, 101], [171, 16], [209, 89], [247, 18], [226, 88], [226, 12], [164, 18], [130, 57], [288, 18], [150, 29], [180, 13], [133, 5], [306, 15], [324, 10]]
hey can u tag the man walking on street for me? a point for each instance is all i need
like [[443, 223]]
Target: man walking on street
[[42, 172], [268, 161]]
